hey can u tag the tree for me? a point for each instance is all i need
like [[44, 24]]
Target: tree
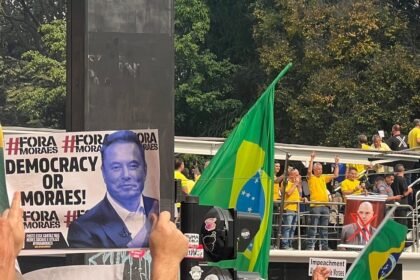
[[231, 37], [203, 101], [353, 61], [37, 98], [26, 49], [20, 21]]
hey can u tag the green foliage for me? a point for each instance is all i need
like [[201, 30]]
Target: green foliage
[[192, 162], [37, 98], [355, 68], [20, 21], [203, 98], [356, 65]]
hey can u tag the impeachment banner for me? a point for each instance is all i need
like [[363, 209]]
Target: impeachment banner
[[85, 190]]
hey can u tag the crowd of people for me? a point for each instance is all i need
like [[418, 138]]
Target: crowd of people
[[169, 246], [359, 179], [315, 193]]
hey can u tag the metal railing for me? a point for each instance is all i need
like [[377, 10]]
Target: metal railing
[[416, 214], [335, 224]]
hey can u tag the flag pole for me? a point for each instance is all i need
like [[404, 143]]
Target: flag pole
[[386, 218], [281, 74], [282, 186]]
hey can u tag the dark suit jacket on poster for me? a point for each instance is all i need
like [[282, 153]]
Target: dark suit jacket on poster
[[101, 227], [348, 231]]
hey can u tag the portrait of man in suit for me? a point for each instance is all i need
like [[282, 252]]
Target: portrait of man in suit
[[359, 232], [121, 218]]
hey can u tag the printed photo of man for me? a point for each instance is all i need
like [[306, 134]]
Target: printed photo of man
[[359, 232], [121, 218]]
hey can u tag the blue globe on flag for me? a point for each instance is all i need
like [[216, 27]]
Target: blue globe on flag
[[251, 197], [389, 266]]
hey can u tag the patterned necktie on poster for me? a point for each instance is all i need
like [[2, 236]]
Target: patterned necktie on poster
[[365, 236]]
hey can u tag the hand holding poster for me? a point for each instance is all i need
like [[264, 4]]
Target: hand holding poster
[[337, 267], [87, 189]]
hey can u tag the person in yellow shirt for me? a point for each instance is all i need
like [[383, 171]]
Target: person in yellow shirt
[[292, 197], [352, 186], [278, 178], [414, 136], [378, 145], [186, 184], [361, 168], [318, 193], [363, 142], [414, 144]]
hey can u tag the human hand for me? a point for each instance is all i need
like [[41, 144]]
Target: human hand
[[14, 216], [141, 239], [12, 237], [321, 273], [7, 250], [336, 159], [313, 155], [168, 246]]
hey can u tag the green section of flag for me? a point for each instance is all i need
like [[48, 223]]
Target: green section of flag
[[382, 253], [241, 176], [4, 201]]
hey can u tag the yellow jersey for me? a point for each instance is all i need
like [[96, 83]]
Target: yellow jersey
[[318, 188], [290, 203]]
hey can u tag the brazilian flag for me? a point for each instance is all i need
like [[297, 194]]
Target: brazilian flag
[[381, 254], [241, 176], [4, 202]]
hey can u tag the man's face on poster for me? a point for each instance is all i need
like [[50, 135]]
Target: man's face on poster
[[365, 212], [124, 171]]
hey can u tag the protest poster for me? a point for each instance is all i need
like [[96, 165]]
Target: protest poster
[[336, 266], [362, 216], [64, 184]]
